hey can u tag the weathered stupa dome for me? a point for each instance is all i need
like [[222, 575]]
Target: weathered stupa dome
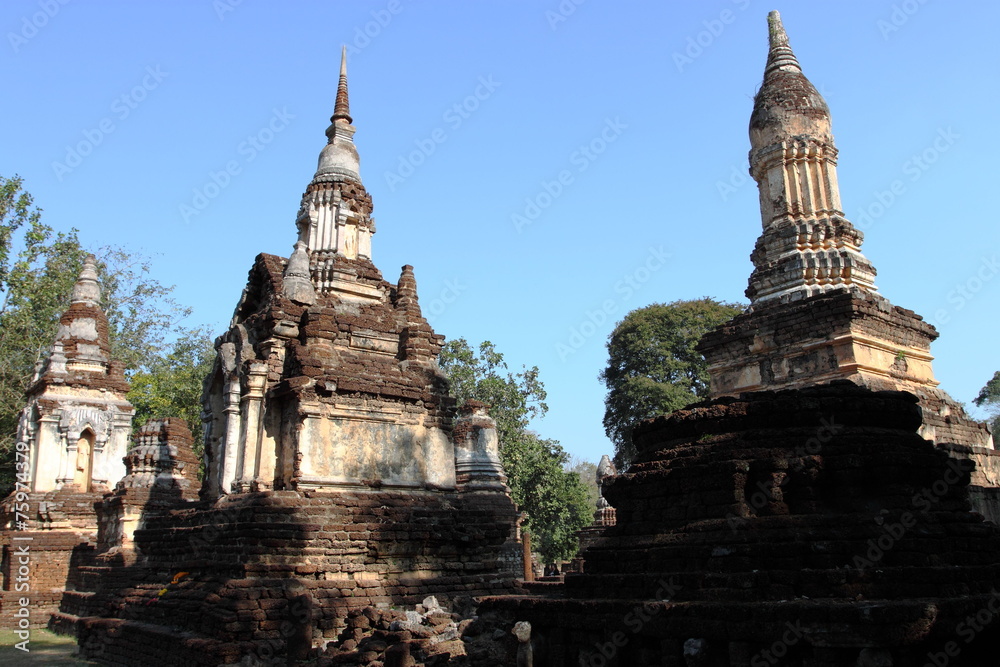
[[787, 104]]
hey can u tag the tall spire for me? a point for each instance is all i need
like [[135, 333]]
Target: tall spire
[[780, 55], [334, 219], [342, 108], [339, 158], [807, 247]]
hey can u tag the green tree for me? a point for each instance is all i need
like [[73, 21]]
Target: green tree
[[989, 398], [142, 314], [554, 500], [170, 384], [587, 470], [37, 270], [653, 366], [38, 267], [514, 398]]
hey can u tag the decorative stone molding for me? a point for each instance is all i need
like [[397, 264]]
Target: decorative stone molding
[[807, 247]]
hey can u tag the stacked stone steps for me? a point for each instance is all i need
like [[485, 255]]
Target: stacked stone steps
[[151, 645], [822, 633], [91, 576], [77, 603], [225, 571], [868, 541], [952, 537], [784, 583]]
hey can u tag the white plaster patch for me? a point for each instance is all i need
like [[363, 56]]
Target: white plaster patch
[[84, 328]]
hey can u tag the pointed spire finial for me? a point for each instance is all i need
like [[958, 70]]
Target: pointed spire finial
[[342, 108], [780, 55], [87, 289], [339, 158]]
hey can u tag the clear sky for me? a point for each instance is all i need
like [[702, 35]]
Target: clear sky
[[188, 130]]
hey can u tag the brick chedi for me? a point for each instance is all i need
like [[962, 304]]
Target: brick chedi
[[337, 474], [809, 527], [815, 314], [813, 526], [161, 469], [327, 377], [77, 420], [71, 437], [807, 246], [604, 515]]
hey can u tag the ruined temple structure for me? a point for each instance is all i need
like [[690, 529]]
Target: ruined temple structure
[[604, 514], [815, 314], [807, 515], [811, 527], [338, 472], [71, 437], [327, 378], [161, 474]]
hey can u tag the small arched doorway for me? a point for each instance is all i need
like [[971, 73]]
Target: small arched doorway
[[84, 461]]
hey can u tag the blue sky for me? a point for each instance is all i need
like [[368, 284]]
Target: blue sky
[[545, 166]]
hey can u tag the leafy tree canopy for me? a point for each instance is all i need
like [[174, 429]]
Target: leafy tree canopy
[[653, 367], [989, 398], [38, 267], [170, 384], [555, 501], [587, 470]]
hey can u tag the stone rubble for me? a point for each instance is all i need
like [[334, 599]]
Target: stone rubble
[[427, 636]]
